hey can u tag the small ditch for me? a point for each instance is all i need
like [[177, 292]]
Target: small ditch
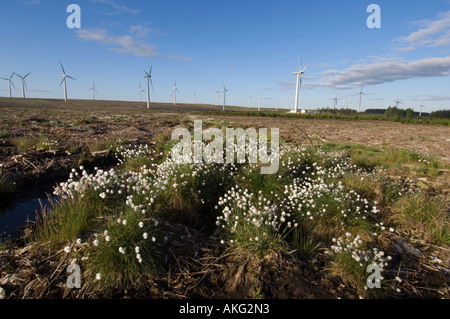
[[15, 216], [34, 186]]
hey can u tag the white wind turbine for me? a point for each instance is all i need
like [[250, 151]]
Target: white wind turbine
[[421, 107], [335, 102], [217, 97], [360, 97], [397, 102], [175, 90], [149, 81], [64, 76], [24, 85], [94, 90], [299, 83], [225, 90], [9, 83], [140, 91]]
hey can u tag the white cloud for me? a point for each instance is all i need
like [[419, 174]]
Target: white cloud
[[432, 33], [124, 44], [388, 70], [140, 31], [118, 8]]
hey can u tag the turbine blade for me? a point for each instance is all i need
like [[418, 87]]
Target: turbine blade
[[64, 71], [12, 83], [72, 78], [62, 81], [305, 68], [27, 75]]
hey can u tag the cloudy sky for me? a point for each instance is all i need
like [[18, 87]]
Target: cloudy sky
[[250, 46]]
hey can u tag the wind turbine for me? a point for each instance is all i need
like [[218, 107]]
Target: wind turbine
[[149, 81], [360, 97], [94, 90], [64, 76], [24, 85], [397, 102], [259, 103], [335, 102], [9, 83], [299, 83], [195, 96], [224, 95], [420, 114], [175, 90], [217, 97], [140, 91]]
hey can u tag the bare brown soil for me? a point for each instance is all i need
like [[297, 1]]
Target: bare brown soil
[[85, 127]]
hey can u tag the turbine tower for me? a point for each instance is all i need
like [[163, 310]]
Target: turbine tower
[[64, 76], [149, 81], [9, 83], [217, 97], [259, 103], [94, 90], [175, 90], [140, 91], [224, 95], [24, 85], [360, 97], [335, 102], [420, 114], [299, 83]]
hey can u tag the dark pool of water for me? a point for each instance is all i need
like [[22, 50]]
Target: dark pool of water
[[16, 215]]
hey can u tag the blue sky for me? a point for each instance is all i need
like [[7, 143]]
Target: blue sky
[[251, 46]]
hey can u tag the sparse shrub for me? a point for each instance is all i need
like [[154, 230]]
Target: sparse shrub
[[253, 222], [350, 259], [125, 255]]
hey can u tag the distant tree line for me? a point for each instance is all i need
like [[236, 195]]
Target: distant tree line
[[444, 114], [397, 113], [394, 112]]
